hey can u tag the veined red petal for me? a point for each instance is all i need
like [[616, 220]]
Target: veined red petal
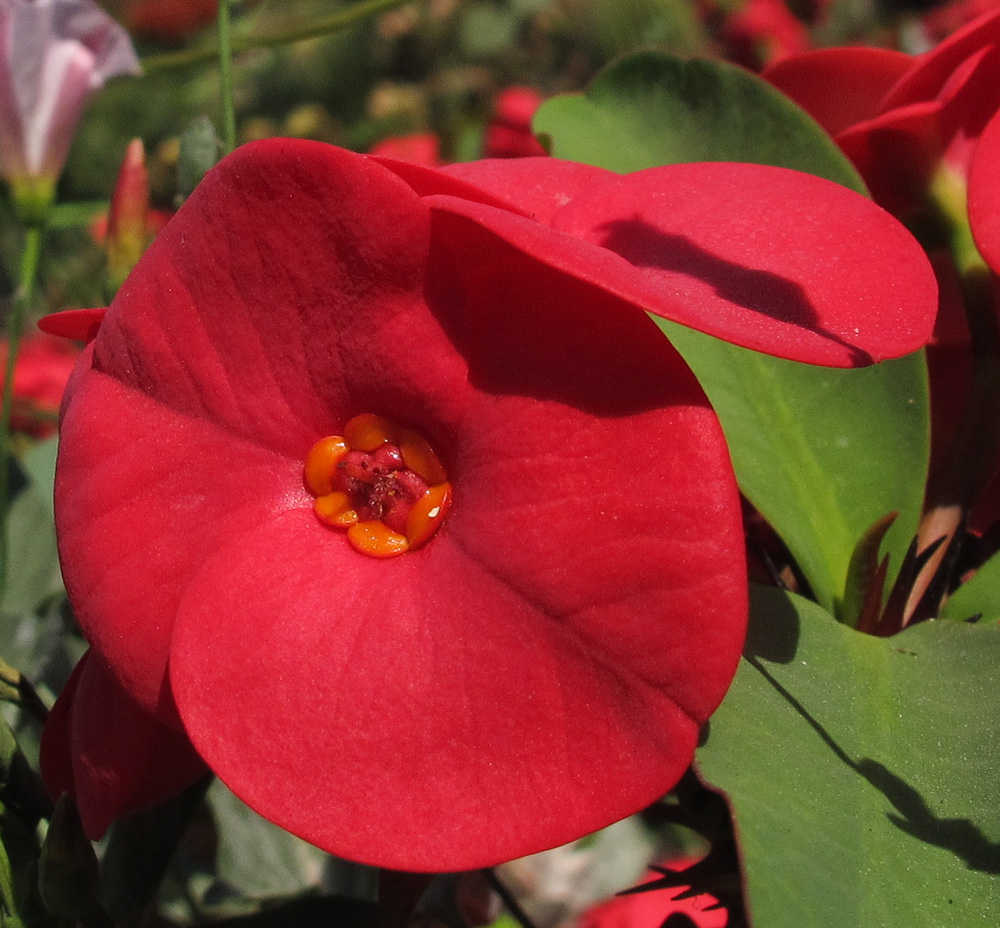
[[79, 324], [532, 187], [771, 259]]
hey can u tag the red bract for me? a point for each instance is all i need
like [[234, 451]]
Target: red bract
[[538, 664], [904, 121], [657, 908]]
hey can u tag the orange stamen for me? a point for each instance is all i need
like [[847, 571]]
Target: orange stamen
[[376, 475], [427, 513], [366, 432], [321, 463], [334, 509], [420, 458], [375, 540]]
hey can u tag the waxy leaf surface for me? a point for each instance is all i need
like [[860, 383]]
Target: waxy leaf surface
[[861, 771], [650, 108]]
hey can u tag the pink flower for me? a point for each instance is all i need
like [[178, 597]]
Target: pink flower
[[54, 54], [377, 485]]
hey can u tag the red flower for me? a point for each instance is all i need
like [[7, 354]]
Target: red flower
[[508, 133], [925, 135], [43, 366], [907, 122], [418, 147], [762, 31], [539, 661], [168, 20], [657, 908]]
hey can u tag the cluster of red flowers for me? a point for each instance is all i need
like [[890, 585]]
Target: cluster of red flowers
[[479, 328], [924, 133]]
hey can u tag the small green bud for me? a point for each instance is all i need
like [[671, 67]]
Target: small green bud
[[67, 869]]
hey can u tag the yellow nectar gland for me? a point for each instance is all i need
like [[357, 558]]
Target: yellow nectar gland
[[381, 483]]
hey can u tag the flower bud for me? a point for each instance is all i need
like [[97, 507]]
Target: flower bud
[[67, 868]]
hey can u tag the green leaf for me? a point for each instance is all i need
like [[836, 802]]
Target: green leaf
[[257, 858], [861, 771], [34, 563], [822, 453], [979, 596], [20, 903], [650, 109], [40, 466]]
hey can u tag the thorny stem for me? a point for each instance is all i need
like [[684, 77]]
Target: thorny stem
[[15, 328]]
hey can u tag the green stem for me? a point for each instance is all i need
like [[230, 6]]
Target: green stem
[[15, 327], [226, 75], [338, 22]]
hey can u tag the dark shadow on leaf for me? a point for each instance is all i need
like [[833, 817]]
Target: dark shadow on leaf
[[960, 836], [759, 291], [773, 631]]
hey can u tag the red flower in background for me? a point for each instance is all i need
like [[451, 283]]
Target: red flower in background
[[292, 381], [508, 132], [657, 908], [906, 122], [762, 31], [167, 20], [43, 366], [924, 134], [418, 147]]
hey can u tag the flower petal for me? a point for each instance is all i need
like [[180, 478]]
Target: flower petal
[[534, 187], [768, 258], [163, 454], [984, 194], [897, 153], [112, 757], [541, 668], [934, 69], [862, 76]]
